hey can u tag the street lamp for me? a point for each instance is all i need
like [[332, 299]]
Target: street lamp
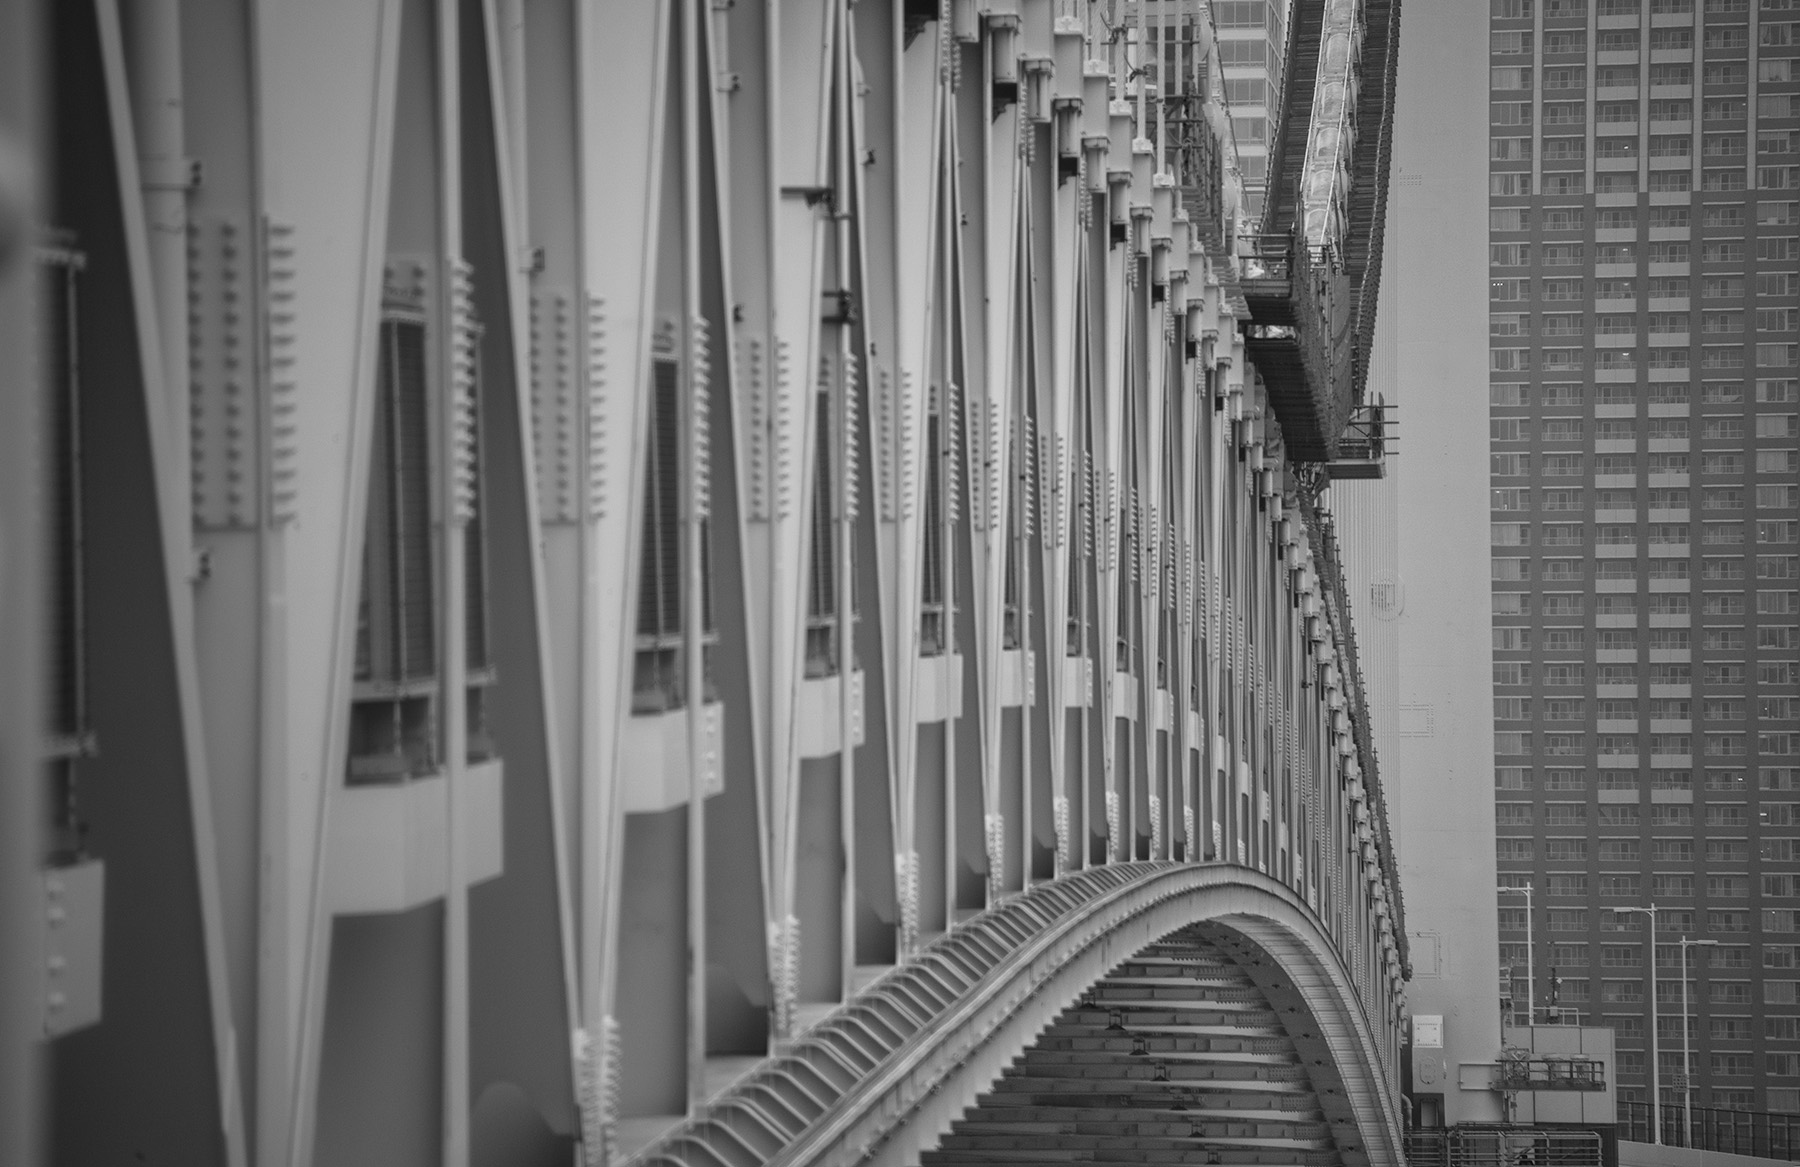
[[1687, 1067], [1655, 1045], [1524, 889]]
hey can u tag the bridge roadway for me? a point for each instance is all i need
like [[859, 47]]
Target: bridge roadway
[[1144, 1012]]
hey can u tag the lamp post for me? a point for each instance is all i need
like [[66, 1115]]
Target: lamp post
[[1655, 1045], [1530, 954], [1687, 1067]]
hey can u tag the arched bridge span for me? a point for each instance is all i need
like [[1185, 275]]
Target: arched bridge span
[[1141, 1012]]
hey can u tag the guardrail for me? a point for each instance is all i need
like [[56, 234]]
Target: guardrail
[[1734, 1132], [1502, 1145]]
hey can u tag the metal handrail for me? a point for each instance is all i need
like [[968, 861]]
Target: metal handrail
[[1503, 1145]]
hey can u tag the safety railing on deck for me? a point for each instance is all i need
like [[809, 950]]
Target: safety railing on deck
[[1299, 301], [1734, 1132], [1500, 1145]]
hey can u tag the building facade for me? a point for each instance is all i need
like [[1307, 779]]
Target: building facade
[[1644, 261], [1253, 42]]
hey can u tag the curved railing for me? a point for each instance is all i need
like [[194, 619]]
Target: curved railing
[[888, 1070]]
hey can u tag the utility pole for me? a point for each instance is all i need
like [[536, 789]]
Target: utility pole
[[1687, 1059]]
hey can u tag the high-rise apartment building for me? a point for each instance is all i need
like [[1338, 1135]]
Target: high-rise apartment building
[[1644, 251], [1252, 45]]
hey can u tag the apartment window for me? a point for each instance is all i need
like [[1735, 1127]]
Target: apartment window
[[1616, 745], [1509, 465], [1778, 105], [1563, 780], [1518, 77], [1513, 814], [1726, 815], [1775, 531], [1723, 146], [1621, 992], [1727, 921], [1671, 110], [1615, 535], [1565, 885], [1723, 393], [1777, 603]]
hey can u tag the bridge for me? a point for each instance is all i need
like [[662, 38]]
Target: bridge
[[698, 582]]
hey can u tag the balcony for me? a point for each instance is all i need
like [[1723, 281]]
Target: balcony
[[1366, 442], [1298, 336]]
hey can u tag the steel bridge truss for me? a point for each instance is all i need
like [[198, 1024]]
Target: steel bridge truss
[[621, 549]]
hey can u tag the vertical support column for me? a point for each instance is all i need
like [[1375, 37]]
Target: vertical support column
[[456, 352], [692, 89], [20, 591], [153, 44]]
